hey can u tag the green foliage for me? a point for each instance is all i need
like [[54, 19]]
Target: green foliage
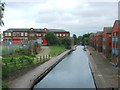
[[56, 50], [79, 39], [12, 64], [4, 86], [85, 39], [52, 39], [75, 39], [66, 42]]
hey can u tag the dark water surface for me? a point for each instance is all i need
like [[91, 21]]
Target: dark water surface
[[72, 72]]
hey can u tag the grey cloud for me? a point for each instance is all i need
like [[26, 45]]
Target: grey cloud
[[85, 17]]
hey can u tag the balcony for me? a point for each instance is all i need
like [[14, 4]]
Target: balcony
[[116, 39], [104, 39], [113, 39], [116, 51]]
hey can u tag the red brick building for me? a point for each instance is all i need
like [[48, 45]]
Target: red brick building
[[92, 40], [98, 41], [116, 43], [107, 41], [18, 35]]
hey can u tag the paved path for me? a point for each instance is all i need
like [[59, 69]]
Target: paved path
[[27, 79], [105, 74]]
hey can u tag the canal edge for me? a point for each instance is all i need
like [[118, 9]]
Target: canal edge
[[40, 77], [91, 68]]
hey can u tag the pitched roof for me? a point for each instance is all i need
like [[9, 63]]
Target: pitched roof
[[56, 30], [37, 29], [118, 22], [108, 30], [99, 33]]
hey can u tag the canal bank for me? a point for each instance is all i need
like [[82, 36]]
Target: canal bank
[[105, 75], [30, 78], [72, 72]]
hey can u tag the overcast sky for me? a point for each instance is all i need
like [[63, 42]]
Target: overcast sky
[[77, 16]]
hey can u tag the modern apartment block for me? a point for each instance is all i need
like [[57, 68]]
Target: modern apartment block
[[116, 43], [18, 35], [107, 41]]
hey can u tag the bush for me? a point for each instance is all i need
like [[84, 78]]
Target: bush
[[4, 86], [52, 39], [66, 43]]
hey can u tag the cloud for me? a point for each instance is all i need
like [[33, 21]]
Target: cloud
[[77, 16]]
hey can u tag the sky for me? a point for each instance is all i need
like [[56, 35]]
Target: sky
[[77, 16]]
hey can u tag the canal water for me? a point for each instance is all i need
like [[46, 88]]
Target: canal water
[[72, 72]]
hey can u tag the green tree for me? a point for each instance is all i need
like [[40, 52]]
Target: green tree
[[85, 39], [66, 42], [2, 8], [52, 39], [79, 39], [75, 39]]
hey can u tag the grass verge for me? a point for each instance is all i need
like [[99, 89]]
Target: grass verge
[[56, 50]]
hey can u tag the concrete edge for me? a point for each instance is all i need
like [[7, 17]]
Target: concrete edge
[[40, 77], [99, 80], [91, 68]]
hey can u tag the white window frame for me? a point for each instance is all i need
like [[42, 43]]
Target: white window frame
[[26, 34], [64, 35], [22, 33], [6, 34], [60, 34], [39, 34]]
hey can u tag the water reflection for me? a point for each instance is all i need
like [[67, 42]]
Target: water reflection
[[72, 72]]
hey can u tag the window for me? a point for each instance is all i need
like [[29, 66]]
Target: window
[[64, 35], [14, 33], [43, 34], [22, 34], [57, 34], [109, 35], [18, 33], [9, 34], [39, 34], [60, 35], [26, 34], [5, 33]]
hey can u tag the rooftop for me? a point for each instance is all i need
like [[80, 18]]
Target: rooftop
[[108, 29], [118, 22], [36, 29]]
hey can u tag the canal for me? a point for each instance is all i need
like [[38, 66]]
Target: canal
[[72, 72]]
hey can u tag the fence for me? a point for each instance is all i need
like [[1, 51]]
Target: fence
[[11, 65]]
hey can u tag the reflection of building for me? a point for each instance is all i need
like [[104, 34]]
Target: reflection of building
[[18, 35], [106, 41], [116, 43]]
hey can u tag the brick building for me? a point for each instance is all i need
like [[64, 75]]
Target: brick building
[[116, 43], [92, 40], [107, 41], [18, 35], [98, 41]]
